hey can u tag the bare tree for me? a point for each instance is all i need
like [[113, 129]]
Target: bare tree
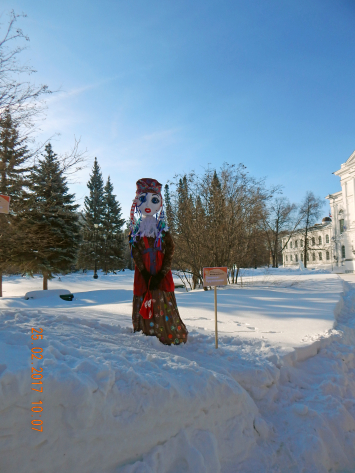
[[71, 162], [309, 212], [18, 96], [215, 220], [279, 219]]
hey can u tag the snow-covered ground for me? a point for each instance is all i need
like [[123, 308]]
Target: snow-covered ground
[[277, 396]]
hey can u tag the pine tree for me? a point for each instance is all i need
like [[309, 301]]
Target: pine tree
[[50, 220], [127, 257], [94, 205], [168, 208], [14, 155], [112, 250], [216, 220]]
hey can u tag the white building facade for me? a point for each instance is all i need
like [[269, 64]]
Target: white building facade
[[332, 242]]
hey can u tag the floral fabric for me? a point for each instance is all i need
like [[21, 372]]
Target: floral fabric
[[166, 323]]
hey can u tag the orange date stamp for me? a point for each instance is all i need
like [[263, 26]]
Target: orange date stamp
[[37, 376]]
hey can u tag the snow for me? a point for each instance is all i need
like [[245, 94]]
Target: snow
[[278, 395]]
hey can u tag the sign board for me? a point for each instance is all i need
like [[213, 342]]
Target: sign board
[[4, 204], [215, 276]]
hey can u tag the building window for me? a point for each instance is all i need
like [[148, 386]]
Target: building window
[[301, 256], [296, 244], [343, 251], [313, 256], [301, 243], [320, 256], [286, 258], [341, 224], [327, 254], [319, 240], [327, 238], [307, 256], [313, 241], [296, 258], [290, 257], [290, 244]]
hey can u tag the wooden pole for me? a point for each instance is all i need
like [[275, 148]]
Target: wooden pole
[[215, 315]]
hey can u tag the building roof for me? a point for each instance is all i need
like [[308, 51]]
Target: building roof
[[351, 158], [345, 166], [316, 227], [334, 195]]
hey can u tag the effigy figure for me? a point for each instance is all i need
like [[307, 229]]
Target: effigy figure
[[155, 310]]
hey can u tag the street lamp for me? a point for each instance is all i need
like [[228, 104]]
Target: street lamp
[[95, 276]]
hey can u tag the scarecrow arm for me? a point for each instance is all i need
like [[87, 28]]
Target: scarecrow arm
[[168, 256]]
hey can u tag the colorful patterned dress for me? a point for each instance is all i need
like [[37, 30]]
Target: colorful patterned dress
[[166, 323]]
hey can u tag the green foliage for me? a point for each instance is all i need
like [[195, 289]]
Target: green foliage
[[13, 156], [111, 256], [14, 172], [102, 230], [168, 208], [94, 203], [49, 219]]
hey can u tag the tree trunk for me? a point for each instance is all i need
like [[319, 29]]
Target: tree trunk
[[276, 257], [305, 250], [45, 281], [194, 281], [0, 284], [236, 276]]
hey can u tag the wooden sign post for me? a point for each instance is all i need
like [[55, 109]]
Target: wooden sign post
[[4, 204], [215, 277]]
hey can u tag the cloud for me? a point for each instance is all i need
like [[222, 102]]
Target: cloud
[[76, 91], [150, 142]]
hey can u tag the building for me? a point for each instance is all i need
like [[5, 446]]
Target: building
[[331, 243]]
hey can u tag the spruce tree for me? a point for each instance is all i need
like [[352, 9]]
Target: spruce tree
[[91, 248], [50, 219], [112, 250], [168, 208], [94, 203], [14, 156]]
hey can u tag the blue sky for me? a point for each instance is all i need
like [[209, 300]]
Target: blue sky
[[156, 88]]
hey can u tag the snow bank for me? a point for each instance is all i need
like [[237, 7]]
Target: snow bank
[[118, 402], [108, 405]]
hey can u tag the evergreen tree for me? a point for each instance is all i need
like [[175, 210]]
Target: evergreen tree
[[14, 155], [215, 219], [112, 249], [94, 205], [49, 219], [127, 257], [168, 208]]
